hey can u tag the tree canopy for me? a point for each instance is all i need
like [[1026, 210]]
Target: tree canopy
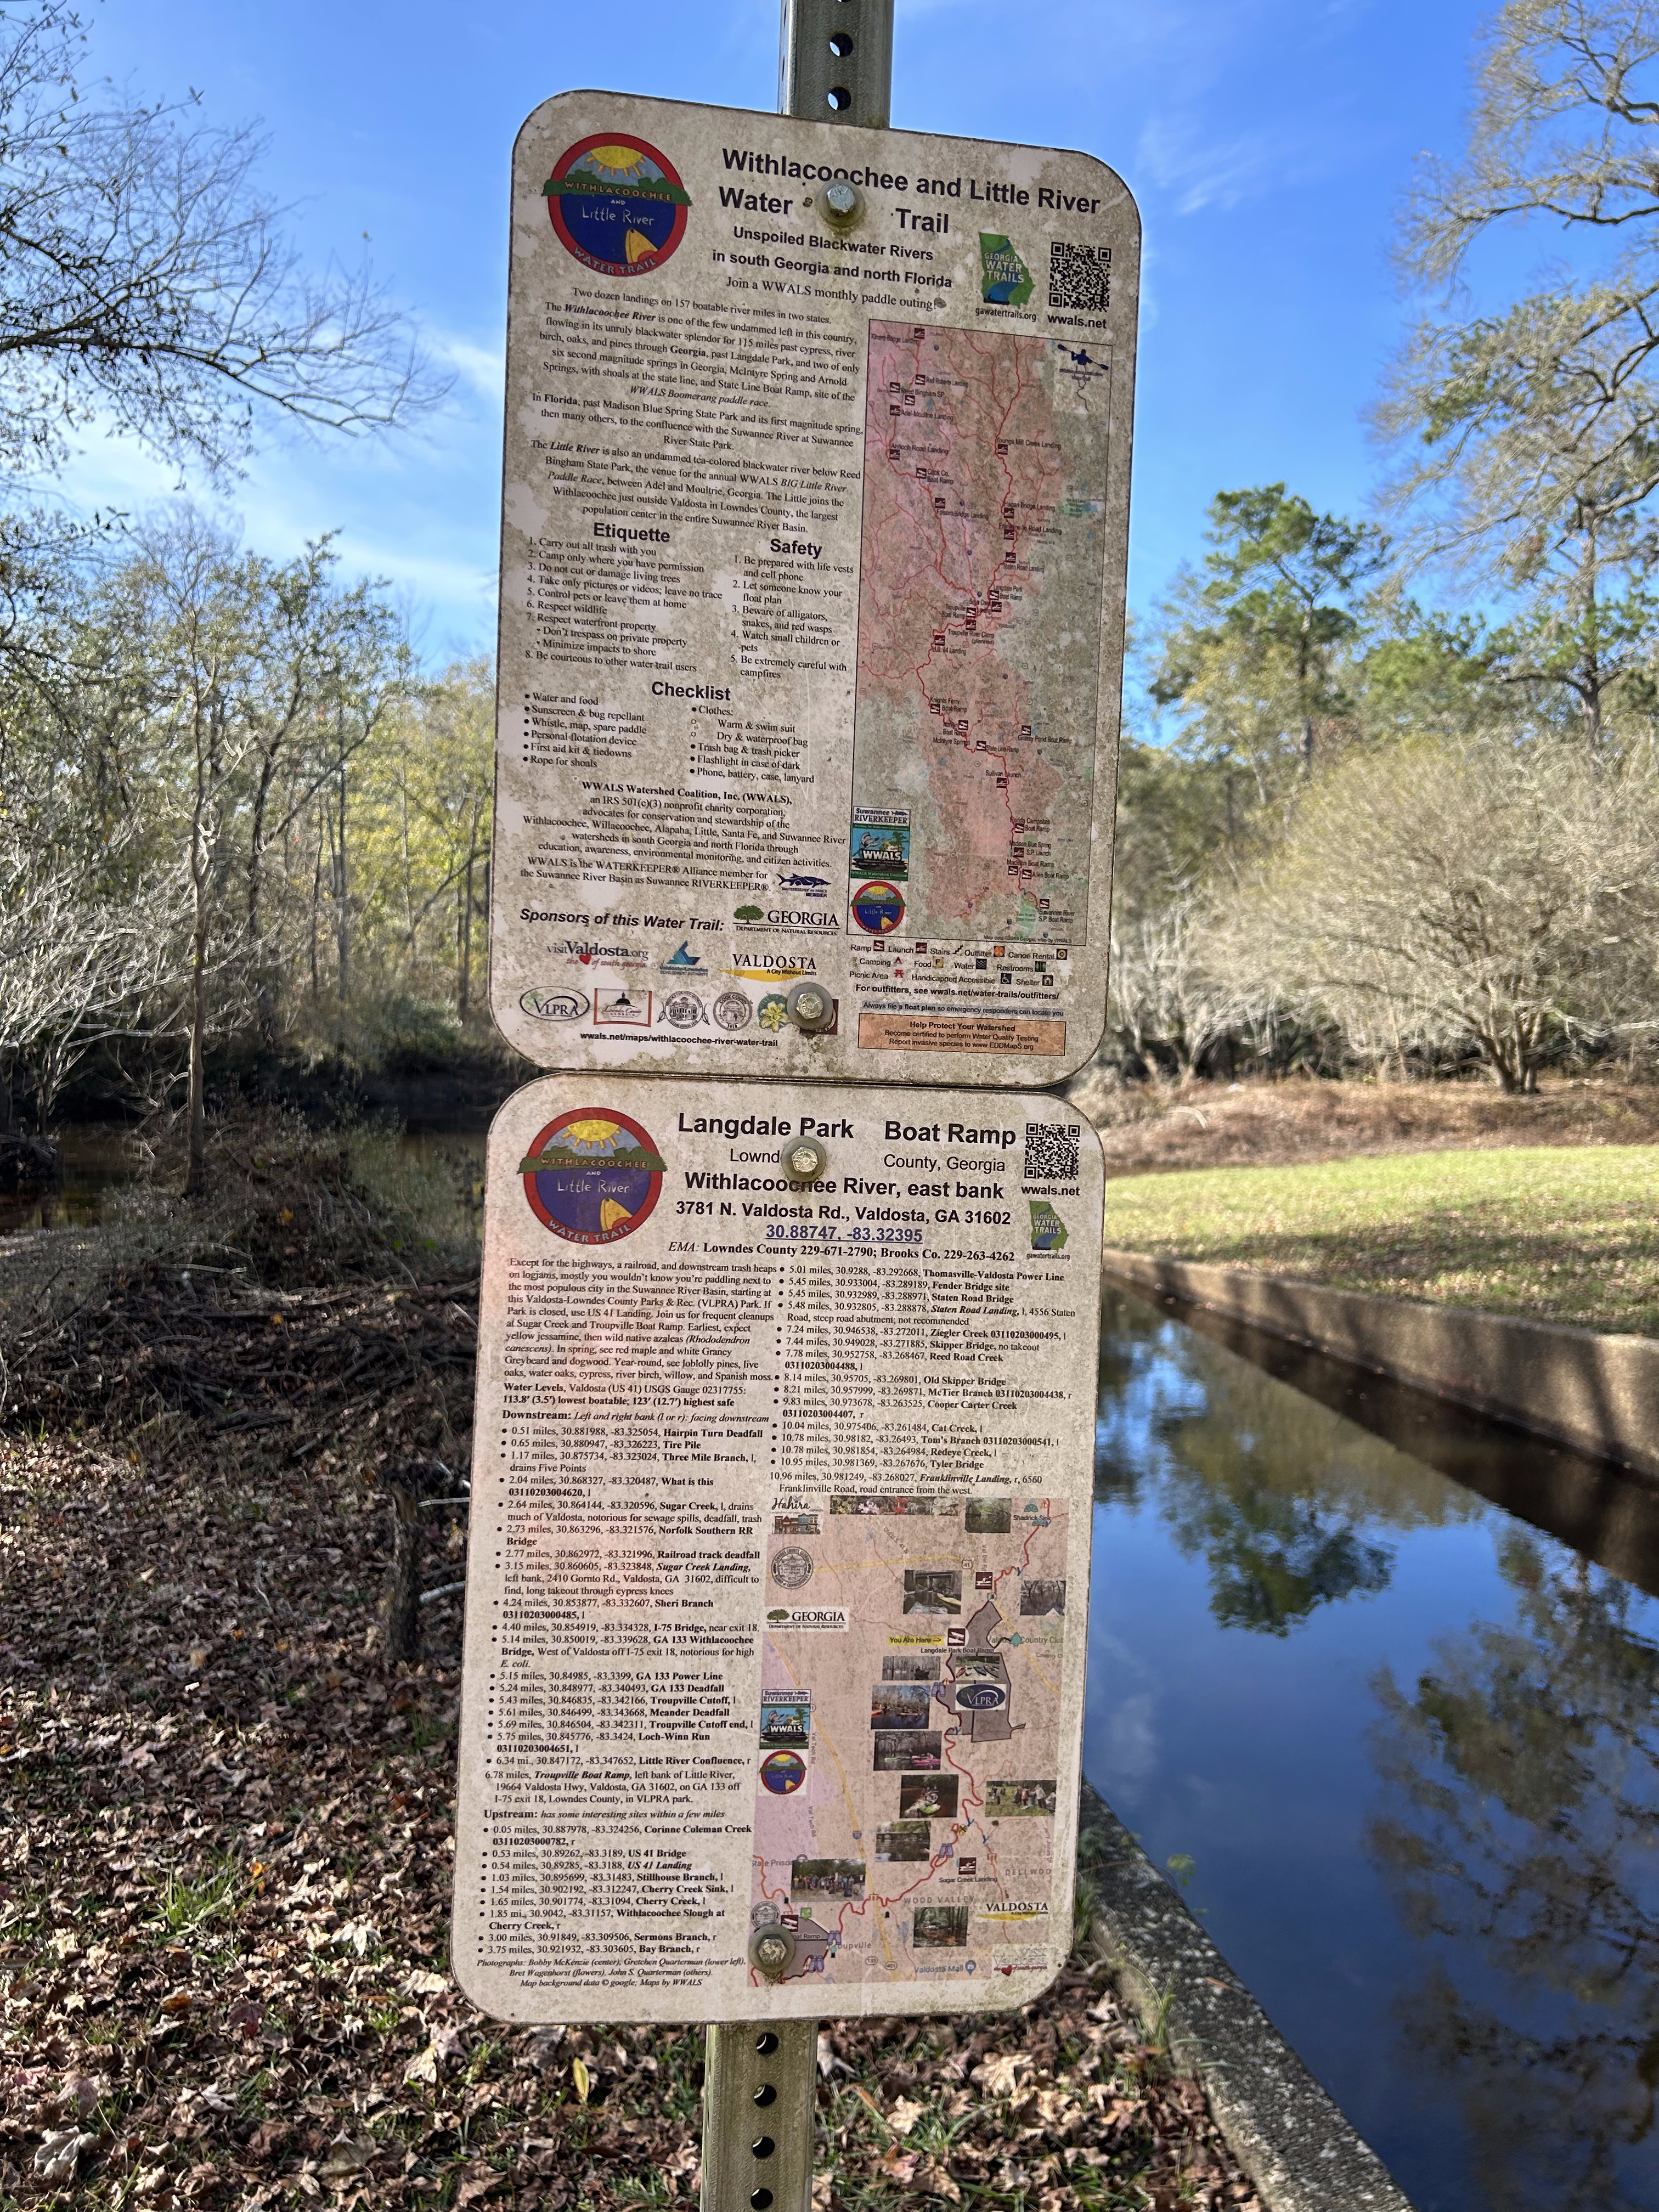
[[145, 283]]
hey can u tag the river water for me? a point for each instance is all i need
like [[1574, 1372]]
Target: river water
[[1374, 1679], [1349, 1674]]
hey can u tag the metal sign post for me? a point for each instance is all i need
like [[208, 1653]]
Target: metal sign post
[[835, 61], [758, 2082]]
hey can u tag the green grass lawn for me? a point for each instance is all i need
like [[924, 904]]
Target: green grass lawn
[[1557, 1233]]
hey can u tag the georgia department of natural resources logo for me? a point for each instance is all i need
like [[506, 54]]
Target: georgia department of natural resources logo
[[593, 1176], [617, 204]]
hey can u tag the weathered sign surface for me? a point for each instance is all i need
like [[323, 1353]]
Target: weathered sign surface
[[778, 1582], [816, 504]]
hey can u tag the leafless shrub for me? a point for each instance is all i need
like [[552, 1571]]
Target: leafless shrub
[[1492, 896]]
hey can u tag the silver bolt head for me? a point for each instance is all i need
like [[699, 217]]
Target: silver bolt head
[[804, 1159], [841, 197], [771, 1950], [809, 1007]]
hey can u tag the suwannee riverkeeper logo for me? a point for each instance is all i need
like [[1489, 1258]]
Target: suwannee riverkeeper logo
[[617, 204]]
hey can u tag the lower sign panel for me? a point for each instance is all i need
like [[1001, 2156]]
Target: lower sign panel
[[778, 1584]]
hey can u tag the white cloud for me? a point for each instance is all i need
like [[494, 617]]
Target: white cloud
[[1131, 1740], [1203, 172], [483, 367]]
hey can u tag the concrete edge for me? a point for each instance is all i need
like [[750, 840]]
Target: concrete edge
[[1595, 1393], [1283, 2129]]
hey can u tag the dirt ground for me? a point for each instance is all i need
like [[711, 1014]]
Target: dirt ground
[[1148, 1128], [225, 1819]]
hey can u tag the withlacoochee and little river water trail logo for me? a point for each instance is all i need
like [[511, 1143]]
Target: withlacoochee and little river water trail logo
[[593, 1176], [617, 204]]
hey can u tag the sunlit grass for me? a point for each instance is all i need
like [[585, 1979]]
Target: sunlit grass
[[188, 1903], [1559, 1234]]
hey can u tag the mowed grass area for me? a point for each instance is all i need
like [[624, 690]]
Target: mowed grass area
[[1559, 1234]]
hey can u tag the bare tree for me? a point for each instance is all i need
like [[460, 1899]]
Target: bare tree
[[78, 969], [1529, 431], [145, 283], [1167, 993], [1499, 897]]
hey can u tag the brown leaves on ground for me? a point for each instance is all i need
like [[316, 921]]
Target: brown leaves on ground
[[1146, 1128], [383, 1362], [225, 1849]]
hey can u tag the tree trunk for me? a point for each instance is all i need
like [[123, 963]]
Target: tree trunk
[[265, 997], [196, 1165], [466, 941], [401, 1607]]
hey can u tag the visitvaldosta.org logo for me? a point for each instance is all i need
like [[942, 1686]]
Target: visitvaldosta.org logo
[[617, 204], [593, 1176]]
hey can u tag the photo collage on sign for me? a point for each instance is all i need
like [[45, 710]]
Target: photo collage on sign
[[930, 1629]]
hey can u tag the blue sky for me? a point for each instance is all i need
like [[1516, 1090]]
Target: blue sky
[[1268, 142]]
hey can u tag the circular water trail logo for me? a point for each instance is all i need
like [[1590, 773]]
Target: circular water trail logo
[[593, 1176], [783, 1773], [617, 204], [877, 909]]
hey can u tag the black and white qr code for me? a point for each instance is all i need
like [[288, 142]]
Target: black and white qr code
[[1051, 1151], [1079, 277]]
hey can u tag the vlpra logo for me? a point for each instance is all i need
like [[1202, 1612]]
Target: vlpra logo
[[555, 1006]]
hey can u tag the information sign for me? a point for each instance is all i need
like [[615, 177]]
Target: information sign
[[778, 1580], [816, 504]]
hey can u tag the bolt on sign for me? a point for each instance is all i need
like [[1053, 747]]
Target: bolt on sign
[[778, 1579], [815, 516]]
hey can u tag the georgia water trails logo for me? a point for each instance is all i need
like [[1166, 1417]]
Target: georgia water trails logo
[[593, 1176], [617, 204], [1004, 277]]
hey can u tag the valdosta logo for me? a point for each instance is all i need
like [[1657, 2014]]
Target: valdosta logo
[[774, 968], [555, 1006], [593, 1176], [617, 204]]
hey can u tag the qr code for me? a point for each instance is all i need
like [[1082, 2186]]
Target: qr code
[[1051, 1152], [1079, 277]]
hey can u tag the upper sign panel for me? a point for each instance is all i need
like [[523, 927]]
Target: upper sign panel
[[816, 504]]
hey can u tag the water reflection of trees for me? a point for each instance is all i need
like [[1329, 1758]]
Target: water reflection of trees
[[1519, 1842], [1278, 1495]]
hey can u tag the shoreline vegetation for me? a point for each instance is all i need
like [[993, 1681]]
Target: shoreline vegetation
[[1456, 1195]]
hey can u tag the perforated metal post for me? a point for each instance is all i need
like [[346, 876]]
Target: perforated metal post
[[836, 63], [760, 2078], [759, 2081]]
